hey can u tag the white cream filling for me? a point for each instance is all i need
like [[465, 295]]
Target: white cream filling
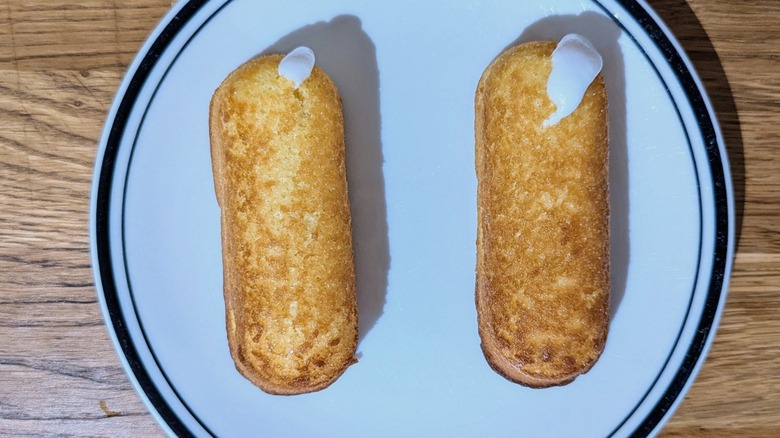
[[297, 65], [575, 64]]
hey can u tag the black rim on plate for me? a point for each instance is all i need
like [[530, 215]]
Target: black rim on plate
[[102, 204]]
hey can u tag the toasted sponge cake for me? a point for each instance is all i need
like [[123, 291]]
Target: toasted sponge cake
[[280, 178], [542, 280]]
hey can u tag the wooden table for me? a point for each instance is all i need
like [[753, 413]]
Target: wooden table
[[60, 65]]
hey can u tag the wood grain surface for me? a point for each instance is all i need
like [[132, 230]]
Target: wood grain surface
[[60, 65]]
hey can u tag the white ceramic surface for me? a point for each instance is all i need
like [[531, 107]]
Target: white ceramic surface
[[407, 71]]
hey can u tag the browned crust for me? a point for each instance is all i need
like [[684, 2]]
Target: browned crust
[[280, 179], [542, 287]]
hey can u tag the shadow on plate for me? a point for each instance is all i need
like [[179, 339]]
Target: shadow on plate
[[344, 50], [603, 33]]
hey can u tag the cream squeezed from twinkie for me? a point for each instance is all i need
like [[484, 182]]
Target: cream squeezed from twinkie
[[576, 63], [297, 65]]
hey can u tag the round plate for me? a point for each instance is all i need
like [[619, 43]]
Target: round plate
[[407, 72]]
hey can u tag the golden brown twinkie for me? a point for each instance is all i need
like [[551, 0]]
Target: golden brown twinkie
[[289, 278], [542, 287]]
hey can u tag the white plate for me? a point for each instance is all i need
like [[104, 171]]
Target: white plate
[[407, 71]]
